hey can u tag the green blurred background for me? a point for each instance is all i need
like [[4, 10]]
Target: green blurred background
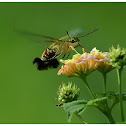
[[28, 95]]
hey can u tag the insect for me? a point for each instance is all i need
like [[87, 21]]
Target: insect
[[57, 48]]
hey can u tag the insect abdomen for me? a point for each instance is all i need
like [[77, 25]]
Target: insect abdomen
[[47, 60]]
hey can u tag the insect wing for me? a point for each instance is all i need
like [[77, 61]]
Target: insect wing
[[38, 38], [76, 32]]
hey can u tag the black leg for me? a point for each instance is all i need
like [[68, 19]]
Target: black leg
[[63, 56], [68, 55]]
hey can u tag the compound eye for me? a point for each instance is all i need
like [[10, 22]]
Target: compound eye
[[73, 41]]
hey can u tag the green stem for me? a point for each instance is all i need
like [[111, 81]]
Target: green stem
[[109, 115], [104, 77], [106, 111], [85, 81], [80, 118], [110, 118], [120, 93]]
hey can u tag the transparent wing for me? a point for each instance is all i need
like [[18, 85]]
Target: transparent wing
[[38, 38], [76, 32]]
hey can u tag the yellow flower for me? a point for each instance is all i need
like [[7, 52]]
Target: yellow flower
[[79, 65], [103, 60], [83, 64]]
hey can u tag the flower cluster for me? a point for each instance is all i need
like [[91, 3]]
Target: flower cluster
[[83, 64], [117, 57], [103, 60], [68, 93]]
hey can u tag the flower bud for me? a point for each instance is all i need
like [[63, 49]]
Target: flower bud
[[117, 57], [68, 93]]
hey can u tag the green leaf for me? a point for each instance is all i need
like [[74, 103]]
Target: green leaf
[[80, 106], [74, 107], [96, 101]]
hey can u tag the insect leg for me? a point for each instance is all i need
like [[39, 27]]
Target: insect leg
[[68, 55], [63, 56], [81, 47], [67, 51], [73, 49], [76, 46]]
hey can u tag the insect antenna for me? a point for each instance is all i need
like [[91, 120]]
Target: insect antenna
[[89, 33], [68, 34]]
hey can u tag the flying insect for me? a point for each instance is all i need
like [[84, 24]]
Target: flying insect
[[57, 48]]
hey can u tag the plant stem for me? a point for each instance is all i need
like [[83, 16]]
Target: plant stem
[[85, 81], [106, 111], [109, 115], [110, 118], [120, 93], [80, 118], [104, 77]]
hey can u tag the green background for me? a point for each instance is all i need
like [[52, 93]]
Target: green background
[[28, 95]]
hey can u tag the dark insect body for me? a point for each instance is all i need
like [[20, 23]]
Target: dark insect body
[[45, 62]]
